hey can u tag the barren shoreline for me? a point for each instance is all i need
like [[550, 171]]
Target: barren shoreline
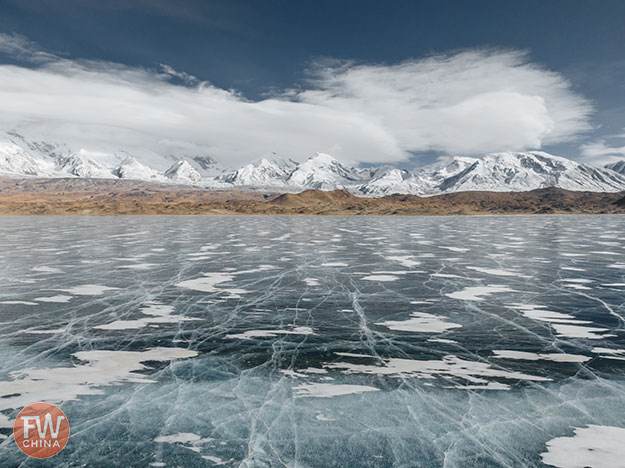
[[74, 197]]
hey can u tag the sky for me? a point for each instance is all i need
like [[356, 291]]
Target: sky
[[400, 82]]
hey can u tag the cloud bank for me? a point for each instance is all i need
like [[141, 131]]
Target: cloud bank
[[603, 152], [468, 102]]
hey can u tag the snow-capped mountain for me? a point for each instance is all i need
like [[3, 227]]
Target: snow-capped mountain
[[527, 171], [324, 172], [205, 165], [130, 168], [15, 160], [618, 166], [182, 172], [264, 172], [81, 166], [394, 181], [500, 172]]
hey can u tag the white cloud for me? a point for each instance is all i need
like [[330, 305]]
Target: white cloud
[[468, 102], [600, 152]]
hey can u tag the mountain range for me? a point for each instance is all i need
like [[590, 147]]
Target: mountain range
[[498, 172]]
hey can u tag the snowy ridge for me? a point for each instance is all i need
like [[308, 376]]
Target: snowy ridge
[[499, 172], [182, 172], [267, 171], [324, 172], [618, 166]]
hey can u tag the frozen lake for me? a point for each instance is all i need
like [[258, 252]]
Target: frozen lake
[[317, 341]]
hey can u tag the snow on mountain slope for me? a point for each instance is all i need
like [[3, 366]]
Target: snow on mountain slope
[[80, 166], [528, 171], [205, 165], [618, 166], [264, 172], [500, 172], [394, 181], [324, 172], [182, 172], [130, 168], [14, 160]]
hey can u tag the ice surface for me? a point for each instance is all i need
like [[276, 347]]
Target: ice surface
[[275, 341]]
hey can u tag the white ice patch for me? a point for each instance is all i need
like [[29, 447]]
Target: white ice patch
[[139, 266], [450, 366], [404, 260], [420, 323], [155, 313], [179, 438], [18, 303], [577, 331], [88, 290], [526, 356], [442, 340], [476, 293], [334, 264], [215, 460], [58, 298], [209, 247], [381, 278], [538, 312], [187, 440], [50, 331], [328, 390], [248, 335], [208, 282], [495, 272], [45, 269], [455, 249], [609, 353], [592, 446], [564, 324], [102, 368], [312, 282]]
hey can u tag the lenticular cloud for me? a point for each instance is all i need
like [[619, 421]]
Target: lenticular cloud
[[470, 102]]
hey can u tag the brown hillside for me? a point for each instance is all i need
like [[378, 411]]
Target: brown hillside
[[123, 197], [317, 197]]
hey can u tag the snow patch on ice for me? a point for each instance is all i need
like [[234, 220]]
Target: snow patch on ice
[[476, 293], [247, 335], [592, 446], [527, 356], [88, 290], [329, 390], [421, 323], [102, 368]]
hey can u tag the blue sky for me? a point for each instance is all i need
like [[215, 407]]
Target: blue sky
[[330, 54]]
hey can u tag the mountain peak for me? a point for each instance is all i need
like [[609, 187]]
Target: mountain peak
[[182, 171], [130, 168]]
